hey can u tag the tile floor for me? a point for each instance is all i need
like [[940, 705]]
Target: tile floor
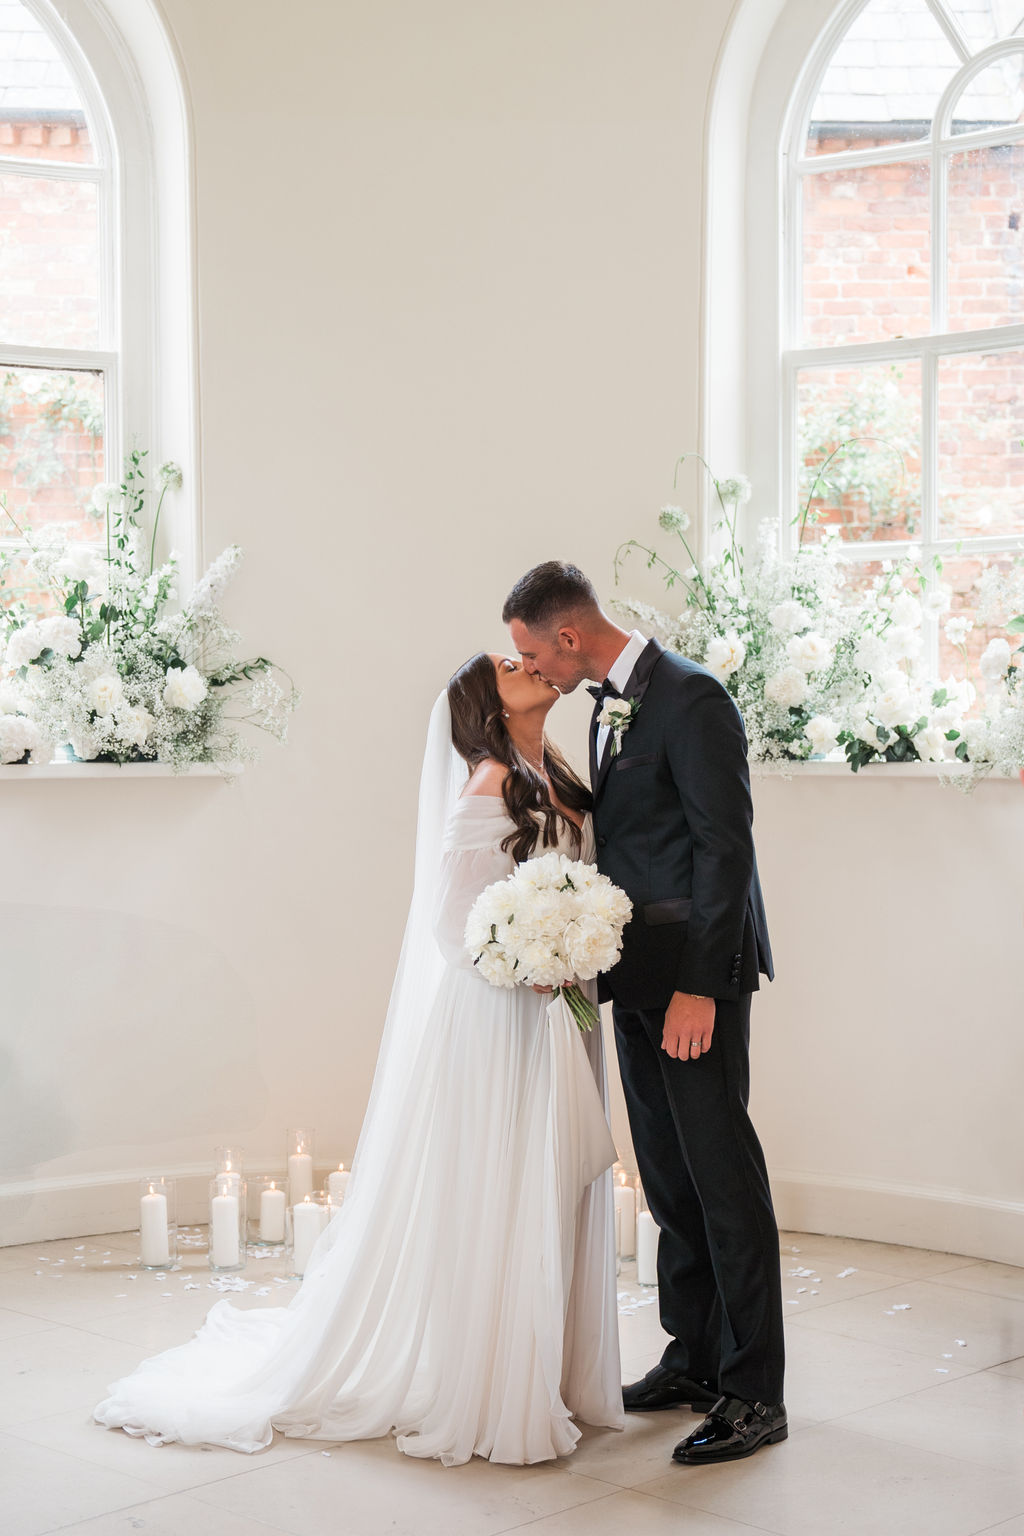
[[905, 1394]]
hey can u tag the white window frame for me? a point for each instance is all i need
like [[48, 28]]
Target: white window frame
[[771, 62], [126, 68]]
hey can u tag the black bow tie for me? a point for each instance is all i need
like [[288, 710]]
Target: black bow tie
[[605, 690]]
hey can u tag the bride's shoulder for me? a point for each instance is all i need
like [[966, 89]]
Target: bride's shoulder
[[486, 781]]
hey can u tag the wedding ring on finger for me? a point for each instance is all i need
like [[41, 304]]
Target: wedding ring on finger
[[695, 1047]]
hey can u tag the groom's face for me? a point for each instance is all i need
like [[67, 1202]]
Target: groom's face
[[555, 656]]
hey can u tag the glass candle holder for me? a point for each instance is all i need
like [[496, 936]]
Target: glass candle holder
[[158, 1223], [300, 1165], [336, 1187], [267, 1205], [227, 1222], [308, 1220], [625, 1188], [228, 1160], [646, 1241]]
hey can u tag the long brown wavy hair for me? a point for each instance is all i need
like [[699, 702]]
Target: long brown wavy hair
[[479, 732]]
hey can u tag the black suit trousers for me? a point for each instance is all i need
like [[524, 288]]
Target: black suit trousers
[[704, 1176]]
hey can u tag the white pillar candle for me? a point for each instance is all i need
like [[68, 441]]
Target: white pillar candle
[[153, 1237], [308, 1220], [300, 1177], [625, 1202], [272, 1209], [646, 1249], [224, 1244], [337, 1184]]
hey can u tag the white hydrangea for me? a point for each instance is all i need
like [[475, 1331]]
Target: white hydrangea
[[12, 701], [994, 660], [185, 688], [788, 688], [789, 617], [19, 735], [936, 600], [809, 653]]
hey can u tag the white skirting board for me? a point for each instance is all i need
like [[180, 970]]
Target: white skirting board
[[915, 1217], [948, 1221]]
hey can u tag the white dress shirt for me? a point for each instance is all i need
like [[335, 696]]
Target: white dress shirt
[[618, 675]]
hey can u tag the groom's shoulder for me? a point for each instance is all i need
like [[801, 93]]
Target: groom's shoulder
[[679, 671]]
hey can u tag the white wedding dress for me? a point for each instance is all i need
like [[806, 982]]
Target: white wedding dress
[[464, 1296]]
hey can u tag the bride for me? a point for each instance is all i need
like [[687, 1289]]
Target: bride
[[464, 1295]]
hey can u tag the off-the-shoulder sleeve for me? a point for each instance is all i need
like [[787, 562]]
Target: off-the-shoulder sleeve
[[472, 860]]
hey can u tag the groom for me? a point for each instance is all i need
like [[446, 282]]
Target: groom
[[672, 819]]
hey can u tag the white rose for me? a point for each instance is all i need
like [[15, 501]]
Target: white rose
[[870, 653], [725, 655], [591, 946], [903, 643], [789, 617], [906, 611], [788, 688], [994, 660], [184, 689], [936, 600], [893, 707], [931, 744], [822, 733], [957, 629], [809, 653], [134, 726], [104, 693], [78, 563], [614, 713]]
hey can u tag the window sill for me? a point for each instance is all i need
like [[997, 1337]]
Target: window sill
[[76, 771], [840, 768]]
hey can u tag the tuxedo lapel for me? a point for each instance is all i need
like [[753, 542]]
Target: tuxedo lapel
[[636, 686]]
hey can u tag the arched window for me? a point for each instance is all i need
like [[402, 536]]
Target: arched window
[[903, 293], [96, 318]]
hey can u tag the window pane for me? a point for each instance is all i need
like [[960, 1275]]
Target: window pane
[[41, 114], [49, 270], [866, 253], [993, 98], [983, 21], [860, 450], [986, 241], [981, 461], [51, 448], [884, 80]]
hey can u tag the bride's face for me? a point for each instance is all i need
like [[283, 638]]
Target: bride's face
[[521, 692]]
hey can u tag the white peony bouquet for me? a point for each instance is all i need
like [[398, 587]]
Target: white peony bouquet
[[553, 920]]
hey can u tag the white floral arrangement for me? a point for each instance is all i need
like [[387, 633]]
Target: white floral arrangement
[[552, 921], [117, 675], [817, 669]]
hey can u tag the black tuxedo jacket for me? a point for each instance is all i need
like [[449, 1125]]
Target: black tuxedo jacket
[[673, 819]]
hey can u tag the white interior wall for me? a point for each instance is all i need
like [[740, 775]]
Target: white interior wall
[[449, 280]]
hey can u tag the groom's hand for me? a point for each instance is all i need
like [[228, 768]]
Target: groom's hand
[[689, 1025]]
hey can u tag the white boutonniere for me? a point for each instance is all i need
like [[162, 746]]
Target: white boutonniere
[[618, 715]]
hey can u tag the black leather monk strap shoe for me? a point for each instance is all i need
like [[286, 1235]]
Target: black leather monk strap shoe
[[662, 1388], [733, 1429]]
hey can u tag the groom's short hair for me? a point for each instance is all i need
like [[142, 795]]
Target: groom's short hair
[[549, 593]]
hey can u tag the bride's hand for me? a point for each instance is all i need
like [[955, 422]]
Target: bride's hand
[[542, 990]]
